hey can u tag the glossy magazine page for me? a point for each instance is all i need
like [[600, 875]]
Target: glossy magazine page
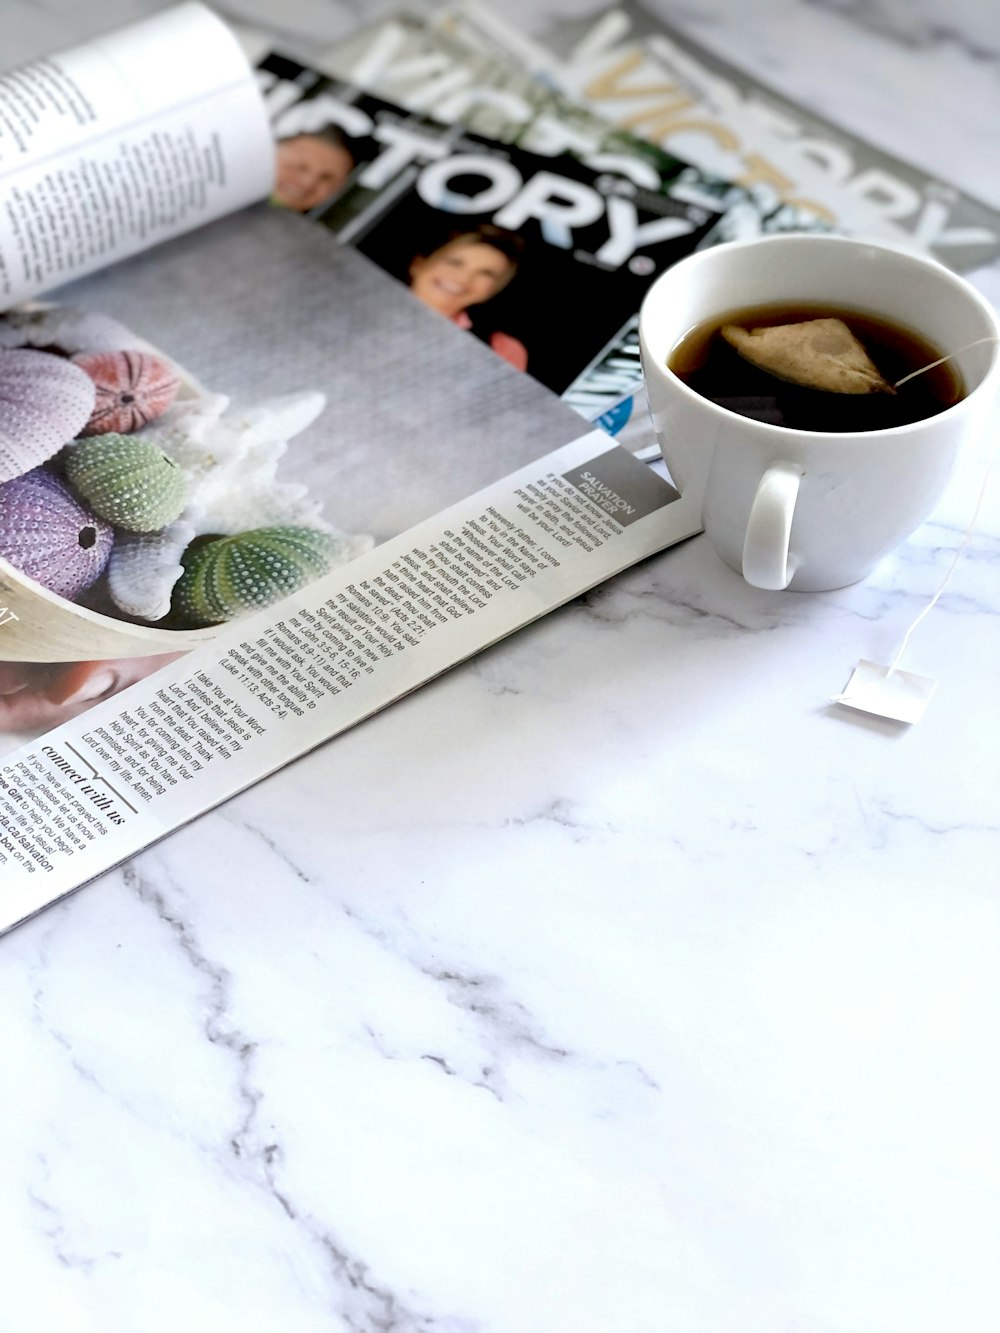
[[301, 494]]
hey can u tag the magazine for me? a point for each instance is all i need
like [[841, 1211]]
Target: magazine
[[629, 67], [544, 259], [110, 148], [423, 66], [292, 493]]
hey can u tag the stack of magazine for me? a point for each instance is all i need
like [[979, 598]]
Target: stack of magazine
[[316, 378]]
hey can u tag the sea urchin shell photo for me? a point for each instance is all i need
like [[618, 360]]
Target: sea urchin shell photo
[[45, 401], [46, 533], [133, 388], [232, 575], [128, 481]]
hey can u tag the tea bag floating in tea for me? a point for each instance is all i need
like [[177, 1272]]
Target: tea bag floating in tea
[[817, 353]]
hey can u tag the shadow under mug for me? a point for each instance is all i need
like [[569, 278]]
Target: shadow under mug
[[800, 509]]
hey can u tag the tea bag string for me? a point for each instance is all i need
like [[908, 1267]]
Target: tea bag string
[[932, 365], [959, 550], [970, 529]]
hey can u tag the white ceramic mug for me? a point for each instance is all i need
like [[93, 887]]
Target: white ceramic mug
[[803, 509]]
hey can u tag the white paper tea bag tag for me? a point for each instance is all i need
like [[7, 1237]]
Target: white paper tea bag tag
[[888, 692]]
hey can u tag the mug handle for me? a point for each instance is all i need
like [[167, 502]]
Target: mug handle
[[766, 562]]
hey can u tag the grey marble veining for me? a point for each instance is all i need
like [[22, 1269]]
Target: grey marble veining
[[972, 28]]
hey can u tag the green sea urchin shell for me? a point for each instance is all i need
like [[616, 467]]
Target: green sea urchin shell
[[128, 481], [232, 575]]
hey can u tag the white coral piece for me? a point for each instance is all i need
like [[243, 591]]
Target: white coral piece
[[183, 432], [144, 567], [230, 460], [351, 545], [64, 327]]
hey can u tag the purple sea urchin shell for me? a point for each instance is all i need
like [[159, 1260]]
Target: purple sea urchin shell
[[45, 401], [47, 534], [133, 388]]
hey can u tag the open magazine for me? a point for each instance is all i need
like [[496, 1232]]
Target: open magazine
[[253, 489]]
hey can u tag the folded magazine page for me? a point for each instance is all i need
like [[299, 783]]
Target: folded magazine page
[[627, 66], [543, 259], [251, 542], [95, 791], [112, 147]]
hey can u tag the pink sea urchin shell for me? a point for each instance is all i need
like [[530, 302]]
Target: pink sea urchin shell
[[133, 388], [47, 534], [45, 401]]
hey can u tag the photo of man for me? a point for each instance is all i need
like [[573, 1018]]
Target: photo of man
[[311, 168]]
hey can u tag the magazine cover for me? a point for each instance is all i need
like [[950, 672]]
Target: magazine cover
[[628, 66], [544, 260], [425, 67]]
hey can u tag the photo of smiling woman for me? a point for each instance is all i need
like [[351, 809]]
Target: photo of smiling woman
[[465, 272]]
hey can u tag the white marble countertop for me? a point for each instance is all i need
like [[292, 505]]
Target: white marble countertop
[[682, 1015]]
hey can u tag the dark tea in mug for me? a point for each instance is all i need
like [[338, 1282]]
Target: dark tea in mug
[[710, 365]]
